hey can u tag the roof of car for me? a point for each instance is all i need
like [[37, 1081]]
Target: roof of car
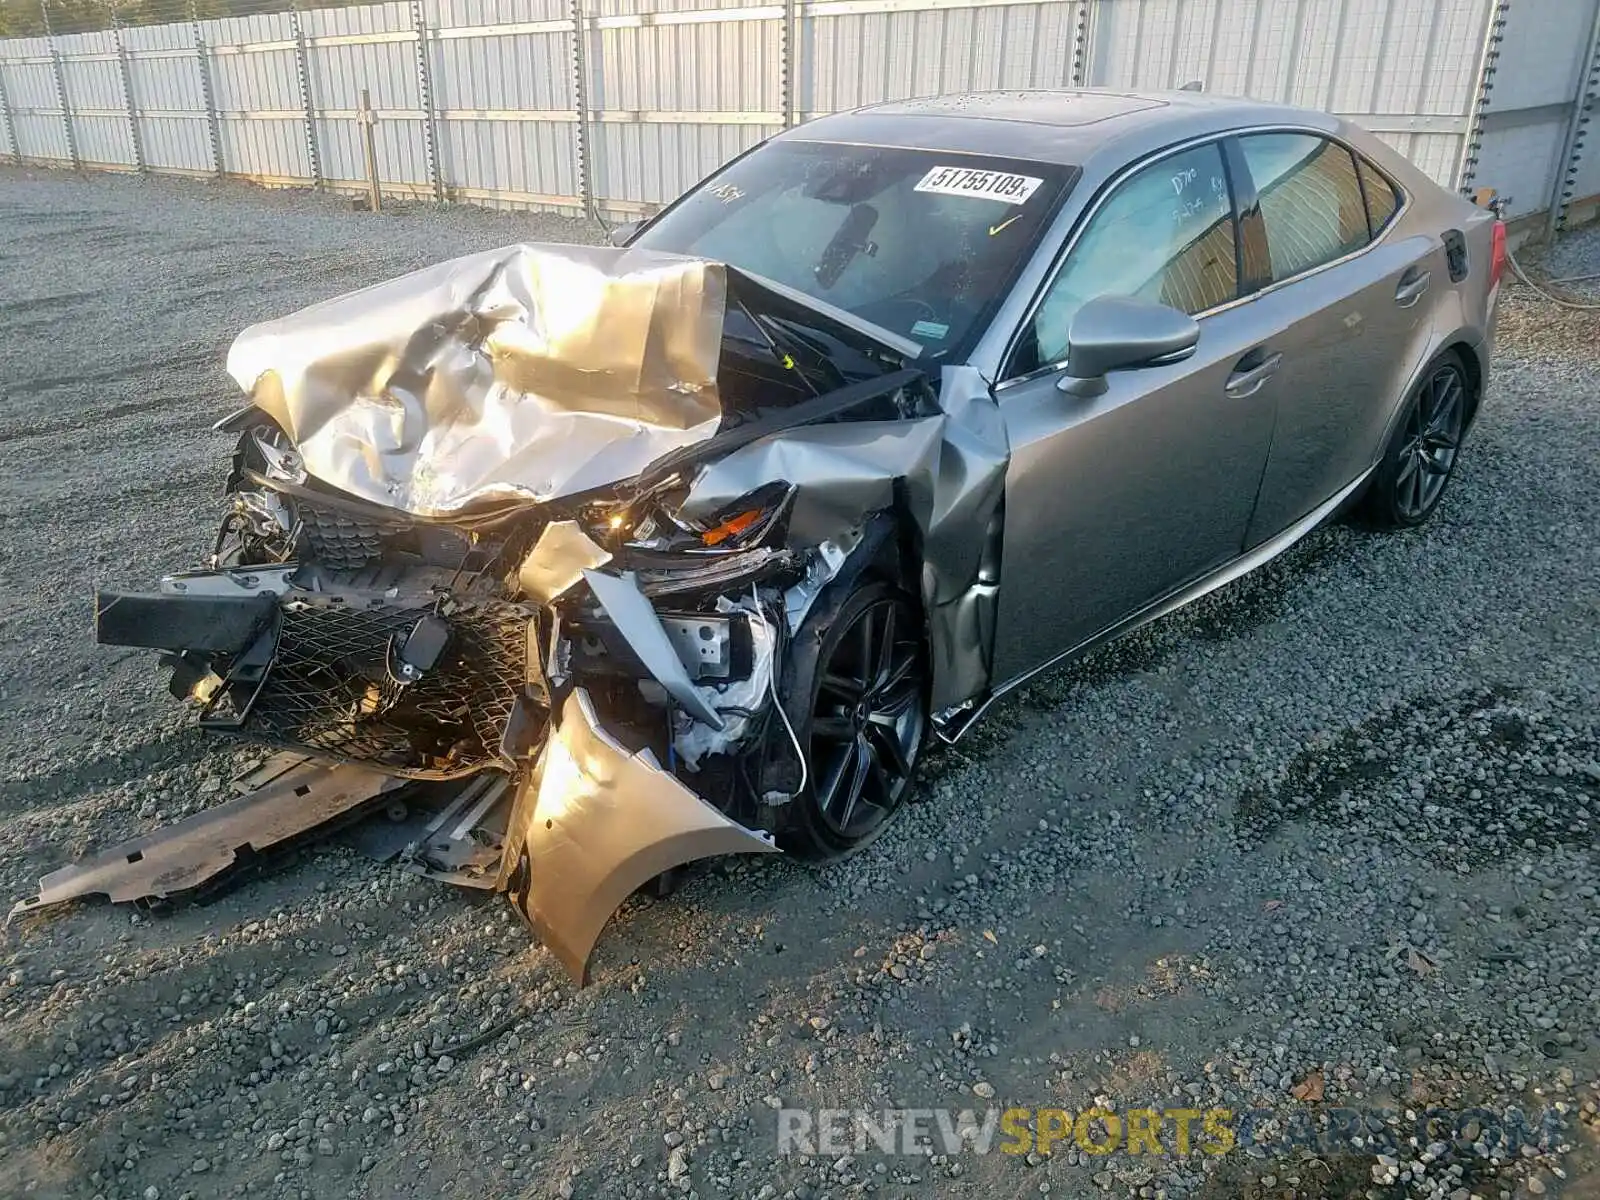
[[1064, 127]]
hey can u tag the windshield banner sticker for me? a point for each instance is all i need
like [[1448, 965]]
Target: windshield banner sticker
[[982, 185]]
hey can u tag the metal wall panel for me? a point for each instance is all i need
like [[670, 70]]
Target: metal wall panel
[[728, 70], [864, 58], [1522, 163], [671, 88], [1378, 63], [92, 78], [1542, 53], [1530, 107], [387, 70], [248, 83], [650, 164], [35, 105], [504, 98], [164, 76]]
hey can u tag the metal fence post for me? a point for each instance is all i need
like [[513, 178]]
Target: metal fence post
[[1494, 34], [61, 88], [789, 64], [302, 70], [135, 140], [430, 127], [1572, 150], [580, 102], [5, 116], [1080, 45], [369, 151], [202, 63]]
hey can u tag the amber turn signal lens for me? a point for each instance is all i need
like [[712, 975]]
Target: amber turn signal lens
[[732, 527]]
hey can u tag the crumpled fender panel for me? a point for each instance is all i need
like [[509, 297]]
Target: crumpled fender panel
[[948, 470], [594, 822]]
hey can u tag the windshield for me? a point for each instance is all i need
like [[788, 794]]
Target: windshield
[[920, 242]]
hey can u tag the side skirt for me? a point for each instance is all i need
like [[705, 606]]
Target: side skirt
[[954, 722]]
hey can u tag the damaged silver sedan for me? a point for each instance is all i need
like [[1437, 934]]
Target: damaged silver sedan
[[684, 547]]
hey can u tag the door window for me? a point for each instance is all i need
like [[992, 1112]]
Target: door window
[[1165, 234], [1310, 198]]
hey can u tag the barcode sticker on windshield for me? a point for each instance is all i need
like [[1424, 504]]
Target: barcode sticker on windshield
[[983, 185]]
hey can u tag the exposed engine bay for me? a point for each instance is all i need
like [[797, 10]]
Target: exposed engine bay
[[549, 523]]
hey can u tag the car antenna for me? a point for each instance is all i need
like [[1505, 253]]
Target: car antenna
[[1194, 85]]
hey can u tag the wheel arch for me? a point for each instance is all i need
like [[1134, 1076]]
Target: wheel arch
[[1464, 349]]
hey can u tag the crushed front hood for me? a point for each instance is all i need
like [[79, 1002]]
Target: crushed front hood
[[521, 374], [524, 373]]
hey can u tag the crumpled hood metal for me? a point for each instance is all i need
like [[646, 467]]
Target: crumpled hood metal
[[524, 373]]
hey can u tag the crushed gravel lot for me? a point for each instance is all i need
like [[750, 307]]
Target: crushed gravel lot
[[1327, 835]]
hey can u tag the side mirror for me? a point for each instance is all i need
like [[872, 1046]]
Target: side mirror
[[620, 235], [1114, 333]]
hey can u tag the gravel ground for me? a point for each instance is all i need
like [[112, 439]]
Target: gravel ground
[[1333, 827]]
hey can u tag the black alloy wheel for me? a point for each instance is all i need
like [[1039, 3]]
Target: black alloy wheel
[[866, 722], [1423, 453]]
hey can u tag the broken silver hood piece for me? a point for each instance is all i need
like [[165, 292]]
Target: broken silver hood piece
[[526, 373]]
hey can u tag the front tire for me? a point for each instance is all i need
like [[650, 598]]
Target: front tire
[[860, 710], [1422, 454]]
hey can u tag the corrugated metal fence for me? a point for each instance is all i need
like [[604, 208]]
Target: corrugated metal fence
[[619, 105]]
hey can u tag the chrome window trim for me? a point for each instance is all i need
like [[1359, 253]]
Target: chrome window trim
[[1151, 159]]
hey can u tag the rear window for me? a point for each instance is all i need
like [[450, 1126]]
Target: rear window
[[921, 242], [1383, 199]]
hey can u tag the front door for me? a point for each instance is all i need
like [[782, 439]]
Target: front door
[[1116, 500]]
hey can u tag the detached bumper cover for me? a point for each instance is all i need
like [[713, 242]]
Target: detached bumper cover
[[290, 799], [594, 822]]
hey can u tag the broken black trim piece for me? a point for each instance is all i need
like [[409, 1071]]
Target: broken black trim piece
[[208, 624]]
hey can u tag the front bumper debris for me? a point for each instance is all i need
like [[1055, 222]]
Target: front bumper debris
[[285, 801], [525, 545], [592, 824]]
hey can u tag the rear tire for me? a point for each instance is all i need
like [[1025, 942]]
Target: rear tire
[[859, 706], [1421, 456]]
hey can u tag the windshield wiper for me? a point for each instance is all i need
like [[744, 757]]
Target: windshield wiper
[[784, 345]]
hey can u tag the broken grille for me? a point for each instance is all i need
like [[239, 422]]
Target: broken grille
[[329, 689]]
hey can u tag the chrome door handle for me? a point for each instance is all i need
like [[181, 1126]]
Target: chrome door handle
[[1412, 284], [1250, 380]]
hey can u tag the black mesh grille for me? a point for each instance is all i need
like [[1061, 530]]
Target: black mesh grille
[[329, 689], [339, 541]]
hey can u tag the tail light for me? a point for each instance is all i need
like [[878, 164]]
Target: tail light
[[1497, 257]]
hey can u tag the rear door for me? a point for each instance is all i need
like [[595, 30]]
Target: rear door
[[1352, 311], [1113, 501]]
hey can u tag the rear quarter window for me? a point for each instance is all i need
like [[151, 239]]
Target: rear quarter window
[[1310, 200], [1383, 198]]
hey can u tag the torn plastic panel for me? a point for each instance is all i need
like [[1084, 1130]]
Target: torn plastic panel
[[284, 801], [592, 823]]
